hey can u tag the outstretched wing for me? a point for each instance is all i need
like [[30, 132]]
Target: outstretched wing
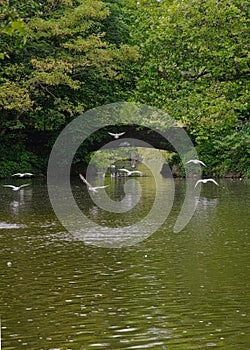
[[126, 170], [24, 185], [190, 161], [199, 181], [11, 186], [212, 180], [136, 171], [199, 161], [122, 133], [84, 180], [97, 187], [111, 134]]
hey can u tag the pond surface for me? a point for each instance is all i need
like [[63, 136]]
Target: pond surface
[[171, 291]]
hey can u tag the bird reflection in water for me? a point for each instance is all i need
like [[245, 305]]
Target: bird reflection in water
[[21, 199]]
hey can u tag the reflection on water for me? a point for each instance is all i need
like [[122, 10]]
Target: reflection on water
[[204, 202], [22, 198], [172, 291]]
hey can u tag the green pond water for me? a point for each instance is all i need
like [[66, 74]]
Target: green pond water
[[174, 291]]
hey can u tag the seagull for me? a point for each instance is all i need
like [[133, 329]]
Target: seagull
[[22, 174], [130, 172], [16, 188], [196, 161], [90, 187], [116, 136], [205, 181]]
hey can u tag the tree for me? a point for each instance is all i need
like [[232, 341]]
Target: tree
[[65, 66], [195, 65], [58, 58]]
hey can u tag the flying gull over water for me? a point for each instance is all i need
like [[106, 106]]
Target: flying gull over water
[[16, 188], [205, 181], [130, 172], [196, 161], [90, 187], [22, 174], [116, 136]]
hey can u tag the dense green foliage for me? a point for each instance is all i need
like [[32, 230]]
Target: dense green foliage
[[195, 65], [59, 58], [64, 67]]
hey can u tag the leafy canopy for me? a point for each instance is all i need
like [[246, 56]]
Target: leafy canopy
[[64, 66]]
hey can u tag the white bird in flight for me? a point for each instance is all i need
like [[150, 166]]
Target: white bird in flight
[[196, 161], [22, 174], [90, 187], [16, 188], [205, 181], [130, 172], [116, 136]]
